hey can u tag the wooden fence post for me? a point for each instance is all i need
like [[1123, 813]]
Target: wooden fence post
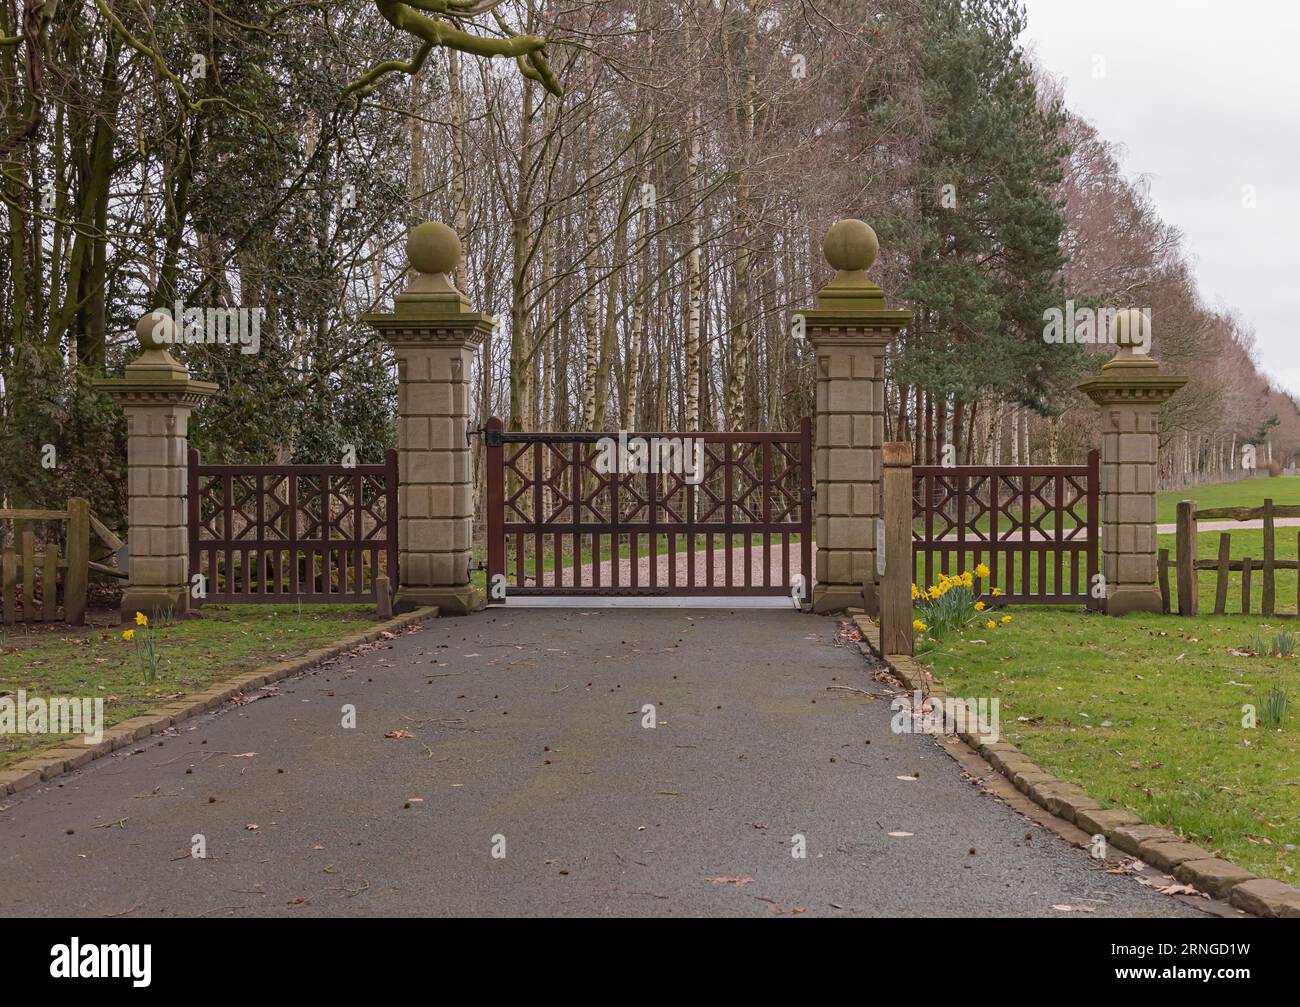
[[29, 575], [896, 635], [1185, 551], [1266, 605], [1225, 564], [8, 582], [50, 580], [74, 586]]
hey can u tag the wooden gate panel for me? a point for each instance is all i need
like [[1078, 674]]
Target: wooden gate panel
[[287, 533], [1036, 527], [552, 513]]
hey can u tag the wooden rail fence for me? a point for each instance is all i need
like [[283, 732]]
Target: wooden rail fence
[[29, 574], [1187, 566]]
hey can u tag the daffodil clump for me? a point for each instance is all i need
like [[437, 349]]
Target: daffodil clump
[[950, 605], [146, 647]]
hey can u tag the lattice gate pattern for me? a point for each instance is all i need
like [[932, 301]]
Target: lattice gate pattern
[[285, 533], [1036, 527], [739, 522]]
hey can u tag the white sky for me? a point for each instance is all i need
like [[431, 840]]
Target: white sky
[[1205, 99]]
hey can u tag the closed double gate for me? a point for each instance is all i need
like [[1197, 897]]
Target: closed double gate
[[578, 513]]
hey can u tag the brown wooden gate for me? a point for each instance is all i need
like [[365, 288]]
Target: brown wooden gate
[[558, 523], [285, 533], [1034, 526]]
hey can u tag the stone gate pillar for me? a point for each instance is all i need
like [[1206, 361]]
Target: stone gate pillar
[[434, 335], [1130, 391], [158, 396], [850, 331]]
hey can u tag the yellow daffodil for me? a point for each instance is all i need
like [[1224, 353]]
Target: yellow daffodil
[[128, 634], [979, 606], [1006, 618], [981, 571], [141, 619], [990, 625], [915, 593], [997, 591], [918, 625], [967, 580]]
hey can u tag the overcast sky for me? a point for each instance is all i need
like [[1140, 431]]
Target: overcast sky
[[1205, 99]]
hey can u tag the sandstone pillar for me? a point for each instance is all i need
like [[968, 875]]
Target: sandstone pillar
[[434, 335], [1130, 391], [850, 331], [158, 396]]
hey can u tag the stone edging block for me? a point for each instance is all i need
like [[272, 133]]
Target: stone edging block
[[74, 754], [1157, 846]]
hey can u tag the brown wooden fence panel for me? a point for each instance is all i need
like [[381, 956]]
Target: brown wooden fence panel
[[285, 533], [1036, 527], [553, 514], [30, 563]]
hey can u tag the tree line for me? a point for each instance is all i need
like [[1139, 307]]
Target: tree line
[[641, 189]]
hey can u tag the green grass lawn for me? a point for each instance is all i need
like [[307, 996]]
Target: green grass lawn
[[1242, 493], [195, 655], [1145, 713]]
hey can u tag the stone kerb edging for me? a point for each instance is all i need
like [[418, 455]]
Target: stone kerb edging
[[75, 754], [1157, 846]]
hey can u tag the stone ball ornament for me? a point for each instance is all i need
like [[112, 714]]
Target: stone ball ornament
[[1131, 329], [156, 330], [851, 245], [433, 248]]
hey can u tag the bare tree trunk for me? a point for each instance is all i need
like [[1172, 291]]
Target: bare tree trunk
[[459, 191], [695, 277]]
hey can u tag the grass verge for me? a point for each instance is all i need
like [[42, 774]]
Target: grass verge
[[1145, 713], [196, 654]]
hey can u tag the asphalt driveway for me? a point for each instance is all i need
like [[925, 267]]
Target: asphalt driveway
[[519, 733]]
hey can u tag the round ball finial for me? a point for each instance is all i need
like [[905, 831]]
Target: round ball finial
[[156, 330], [851, 245], [433, 248], [1131, 329]]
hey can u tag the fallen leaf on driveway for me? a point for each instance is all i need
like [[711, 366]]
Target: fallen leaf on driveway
[[900, 834], [245, 755], [1075, 909], [1179, 890], [399, 734], [910, 778], [737, 881], [250, 827]]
